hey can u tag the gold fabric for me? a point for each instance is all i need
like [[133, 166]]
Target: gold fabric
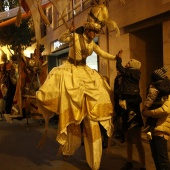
[[72, 140], [92, 143], [75, 93], [78, 94], [91, 46]]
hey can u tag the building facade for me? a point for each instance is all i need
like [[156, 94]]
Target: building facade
[[144, 35]]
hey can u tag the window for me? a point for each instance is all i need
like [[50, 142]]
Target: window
[[50, 14], [92, 61], [43, 27], [79, 6]]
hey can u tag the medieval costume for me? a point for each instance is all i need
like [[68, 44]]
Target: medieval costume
[[78, 94]]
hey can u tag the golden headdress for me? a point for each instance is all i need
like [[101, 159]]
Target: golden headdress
[[99, 15]]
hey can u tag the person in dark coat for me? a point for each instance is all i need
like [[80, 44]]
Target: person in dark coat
[[117, 120], [129, 93]]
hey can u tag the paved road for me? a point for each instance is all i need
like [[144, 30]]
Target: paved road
[[18, 150]]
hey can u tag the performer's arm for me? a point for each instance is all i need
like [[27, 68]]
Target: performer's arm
[[67, 36], [102, 53]]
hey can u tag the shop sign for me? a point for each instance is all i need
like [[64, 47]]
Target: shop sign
[[57, 45]]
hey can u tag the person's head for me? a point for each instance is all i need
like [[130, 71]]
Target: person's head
[[91, 29], [135, 64], [159, 74]]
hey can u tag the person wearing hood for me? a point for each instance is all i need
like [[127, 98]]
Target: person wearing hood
[[158, 92], [157, 112], [130, 99]]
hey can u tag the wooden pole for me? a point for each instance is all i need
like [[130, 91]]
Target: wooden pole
[[73, 34], [108, 47], [108, 71]]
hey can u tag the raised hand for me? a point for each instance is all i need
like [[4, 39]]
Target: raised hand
[[120, 53]]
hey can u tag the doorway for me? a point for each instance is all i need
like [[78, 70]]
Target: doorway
[[147, 44]]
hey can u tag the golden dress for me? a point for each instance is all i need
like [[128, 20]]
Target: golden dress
[[78, 94]]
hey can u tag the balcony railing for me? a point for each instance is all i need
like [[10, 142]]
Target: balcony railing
[[78, 7]]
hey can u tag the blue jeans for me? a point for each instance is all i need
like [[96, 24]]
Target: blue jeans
[[159, 151]]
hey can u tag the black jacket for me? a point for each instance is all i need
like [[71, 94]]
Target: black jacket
[[129, 91], [117, 107], [130, 79]]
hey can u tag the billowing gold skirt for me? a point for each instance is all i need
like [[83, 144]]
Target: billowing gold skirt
[[78, 94]]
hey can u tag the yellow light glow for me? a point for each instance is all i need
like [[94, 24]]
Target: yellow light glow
[[27, 53]]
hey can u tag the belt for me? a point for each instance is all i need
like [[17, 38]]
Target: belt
[[77, 62]]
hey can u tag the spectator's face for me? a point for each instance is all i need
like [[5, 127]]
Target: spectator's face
[[127, 65]]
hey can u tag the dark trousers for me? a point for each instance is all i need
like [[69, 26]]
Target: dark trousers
[[9, 96], [159, 151], [151, 122]]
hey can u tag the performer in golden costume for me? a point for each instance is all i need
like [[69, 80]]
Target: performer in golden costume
[[79, 94]]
